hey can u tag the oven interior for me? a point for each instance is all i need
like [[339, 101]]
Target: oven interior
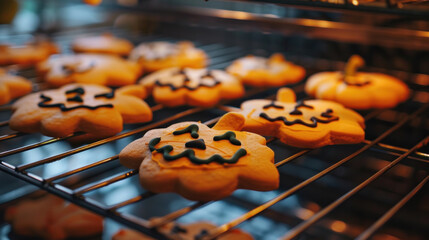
[[373, 190]]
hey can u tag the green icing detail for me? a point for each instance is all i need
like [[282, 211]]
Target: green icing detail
[[190, 154], [192, 129], [228, 136]]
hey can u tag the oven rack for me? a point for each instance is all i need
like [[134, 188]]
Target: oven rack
[[53, 185]]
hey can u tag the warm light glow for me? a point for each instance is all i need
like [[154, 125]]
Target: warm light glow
[[338, 226], [355, 2], [304, 213]]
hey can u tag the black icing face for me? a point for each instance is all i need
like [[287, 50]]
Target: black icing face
[[325, 117], [198, 143], [74, 96], [209, 81]]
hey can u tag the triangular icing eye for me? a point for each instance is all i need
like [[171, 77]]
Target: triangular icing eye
[[273, 105], [199, 144], [109, 95], [192, 129], [228, 136]]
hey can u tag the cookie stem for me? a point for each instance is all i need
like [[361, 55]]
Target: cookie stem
[[354, 62]]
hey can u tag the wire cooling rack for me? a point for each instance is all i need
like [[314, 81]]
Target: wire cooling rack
[[394, 152]]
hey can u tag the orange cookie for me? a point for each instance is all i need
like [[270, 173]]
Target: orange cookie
[[108, 70], [160, 55], [358, 90], [106, 43], [196, 87], [12, 87], [306, 124], [52, 218], [201, 163], [183, 232], [95, 110], [266, 72], [29, 53]]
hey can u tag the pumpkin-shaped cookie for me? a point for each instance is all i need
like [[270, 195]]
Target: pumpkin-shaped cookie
[[155, 56], [266, 72], [100, 69], [306, 124], [12, 87], [195, 87], [96, 111], [201, 163], [106, 44], [52, 218], [358, 90], [30, 53]]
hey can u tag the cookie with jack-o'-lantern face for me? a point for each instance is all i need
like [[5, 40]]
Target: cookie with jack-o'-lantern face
[[94, 110], [266, 72], [191, 86], [307, 124], [109, 70], [202, 163]]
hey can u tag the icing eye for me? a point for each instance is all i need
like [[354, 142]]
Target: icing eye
[[192, 129], [199, 144], [298, 105], [228, 136], [273, 104]]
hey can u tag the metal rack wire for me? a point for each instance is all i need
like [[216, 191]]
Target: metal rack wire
[[220, 56]]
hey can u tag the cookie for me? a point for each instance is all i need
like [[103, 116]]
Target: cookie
[[100, 69], [266, 72], [52, 218], [105, 44], [196, 87], [94, 110], [358, 90], [155, 56], [12, 87], [30, 53], [201, 163], [305, 124], [183, 232]]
